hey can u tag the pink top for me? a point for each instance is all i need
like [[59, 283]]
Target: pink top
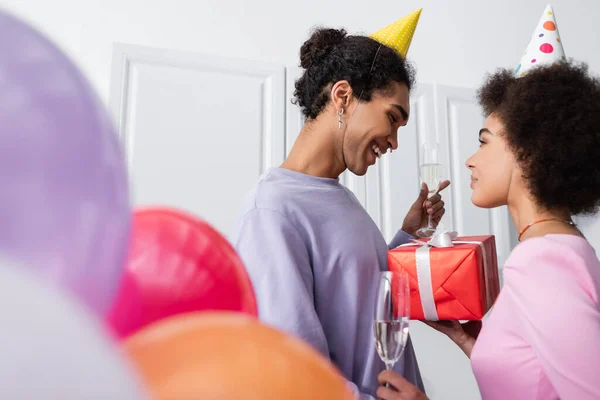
[[542, 338]]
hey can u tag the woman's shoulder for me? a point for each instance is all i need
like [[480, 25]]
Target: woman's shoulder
[[552, 245], [555, 259]]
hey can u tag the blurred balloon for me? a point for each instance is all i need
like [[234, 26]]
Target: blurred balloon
[[230, 356], [64, 206], [127, 311], [54, 348], [177, 264]]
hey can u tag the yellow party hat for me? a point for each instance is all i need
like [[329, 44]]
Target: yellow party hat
[[399, 34]]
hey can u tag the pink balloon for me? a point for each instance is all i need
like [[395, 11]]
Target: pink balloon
[[178, 264]]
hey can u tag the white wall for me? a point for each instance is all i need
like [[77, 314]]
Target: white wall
[[456, 42]]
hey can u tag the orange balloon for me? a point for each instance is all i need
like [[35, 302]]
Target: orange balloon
[[224, 355]]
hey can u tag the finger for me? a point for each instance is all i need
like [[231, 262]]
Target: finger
[[457, 325], [472, 328], [401, 388], [444, 327], [384, 393], [443, 185], [472, 324], [395, 379], [434, 325], [434, 199], [436, 207], [438, 213], [422, 194]]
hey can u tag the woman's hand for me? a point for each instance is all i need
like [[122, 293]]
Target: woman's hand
[[400, 389], [464, 335]]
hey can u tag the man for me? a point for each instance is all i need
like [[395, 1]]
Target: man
[[312, 251]]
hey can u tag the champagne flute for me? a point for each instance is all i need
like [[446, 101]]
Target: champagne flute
[[392, 315], [430, 174]]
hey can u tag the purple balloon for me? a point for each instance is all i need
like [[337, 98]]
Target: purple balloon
[[64, 204]]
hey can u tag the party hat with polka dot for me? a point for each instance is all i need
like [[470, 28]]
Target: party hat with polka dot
[[399, 34], [545, 46]]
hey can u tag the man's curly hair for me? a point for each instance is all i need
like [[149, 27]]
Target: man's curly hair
[[330, 55], [552, 124]]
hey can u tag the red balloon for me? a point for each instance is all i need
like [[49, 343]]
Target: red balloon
[[177, 264]]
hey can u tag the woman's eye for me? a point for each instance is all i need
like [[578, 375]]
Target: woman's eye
[[481, 142], [392, 118]]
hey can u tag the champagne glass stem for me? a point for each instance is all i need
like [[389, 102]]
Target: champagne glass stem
[[388, 367], [429, 223]]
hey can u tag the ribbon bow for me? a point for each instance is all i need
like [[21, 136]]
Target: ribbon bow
[[441, 238]]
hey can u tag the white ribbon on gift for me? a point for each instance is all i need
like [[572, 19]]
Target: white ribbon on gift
[[440, 239]]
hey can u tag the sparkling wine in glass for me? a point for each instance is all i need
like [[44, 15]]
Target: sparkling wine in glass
[[392, 314], [430, 174]]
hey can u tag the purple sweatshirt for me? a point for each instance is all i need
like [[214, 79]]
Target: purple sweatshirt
[[313, 254]]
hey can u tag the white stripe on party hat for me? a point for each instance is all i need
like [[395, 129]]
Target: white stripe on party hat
[[545, 46]]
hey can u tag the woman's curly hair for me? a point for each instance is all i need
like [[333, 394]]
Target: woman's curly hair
[[330, 55], [552, 124]]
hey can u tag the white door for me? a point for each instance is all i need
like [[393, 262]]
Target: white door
[[198, 130]]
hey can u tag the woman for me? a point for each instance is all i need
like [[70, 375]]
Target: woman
[[312, 251], [539, 154]]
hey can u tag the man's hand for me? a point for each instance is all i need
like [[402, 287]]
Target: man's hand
[[418, 214], [400, 389]]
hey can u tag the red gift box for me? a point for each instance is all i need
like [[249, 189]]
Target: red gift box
[[449, 283]]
